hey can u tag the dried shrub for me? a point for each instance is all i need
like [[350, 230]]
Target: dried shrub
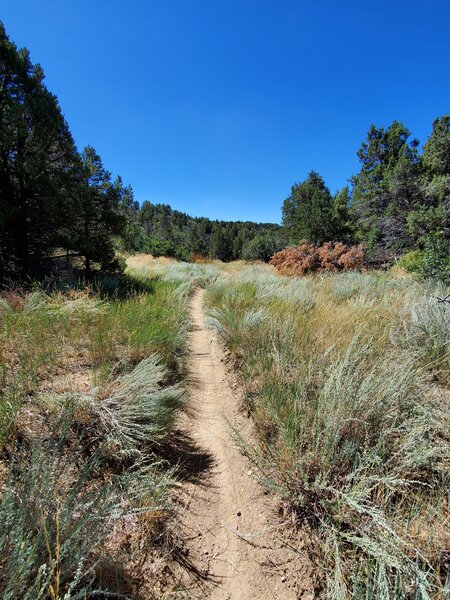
[[307, 258], [199, 258]]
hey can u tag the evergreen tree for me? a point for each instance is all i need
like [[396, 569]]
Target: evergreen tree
[[38, 163], [262, 246], [308, 211], [98, 215], [384, 190], [429, 223], [221, 245], [343, 226]]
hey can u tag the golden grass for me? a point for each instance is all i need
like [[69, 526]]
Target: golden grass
[[339, 377]]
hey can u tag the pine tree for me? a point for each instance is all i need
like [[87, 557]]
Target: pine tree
[[38, 163], [308, 211], [98, 215], [383, 189]]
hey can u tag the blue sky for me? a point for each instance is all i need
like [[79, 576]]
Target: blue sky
[[218, 106]]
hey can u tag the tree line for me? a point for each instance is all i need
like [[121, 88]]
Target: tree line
[[159, 230], [397, 206], [58, 202]]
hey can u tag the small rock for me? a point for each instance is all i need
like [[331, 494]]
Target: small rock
[[238, 513], [249, 473]]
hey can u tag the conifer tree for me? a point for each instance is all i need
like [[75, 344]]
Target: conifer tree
[[38, 163], [308, 211]]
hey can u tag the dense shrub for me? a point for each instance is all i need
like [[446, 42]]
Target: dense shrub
[[307, 258], [412, 261]]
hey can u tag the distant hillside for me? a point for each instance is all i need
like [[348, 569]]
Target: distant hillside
[[160, 230]]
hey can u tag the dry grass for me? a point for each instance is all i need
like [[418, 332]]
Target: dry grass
[[89, 384], [342, 378]]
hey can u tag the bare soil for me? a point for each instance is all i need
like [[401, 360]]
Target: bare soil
[[236, 546]]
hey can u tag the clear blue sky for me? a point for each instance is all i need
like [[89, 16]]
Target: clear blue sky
[[218, 106]]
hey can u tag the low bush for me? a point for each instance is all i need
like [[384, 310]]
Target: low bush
[[307, 258], [61, 499], [412, 261], [427, 333], [140, 410]]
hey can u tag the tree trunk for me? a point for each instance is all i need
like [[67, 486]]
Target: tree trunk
[[87, 267]]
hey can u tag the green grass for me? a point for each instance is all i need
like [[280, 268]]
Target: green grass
[[352, 431], [90, 382], [345, 377], [50, 334]]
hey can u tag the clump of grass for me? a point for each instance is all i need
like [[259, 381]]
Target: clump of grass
[[233, 328], [57, 513], [53, 520], [140, 410], [350, 432], [428, 333]]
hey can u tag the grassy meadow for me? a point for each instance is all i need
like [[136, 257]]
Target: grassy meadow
[[346, 377], [91, 377]]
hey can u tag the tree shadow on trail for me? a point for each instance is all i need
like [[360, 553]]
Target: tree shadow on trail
[[192, 462]]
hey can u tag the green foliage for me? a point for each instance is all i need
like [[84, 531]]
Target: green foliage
[[51, 198], [97, 217], [436, 152], [38, 165], [343, 226], [221, 246], [412, 261], [308, 211], [436, 261], [401, 200], [159, 248], [262, 247], [168, 232], [386, 188]]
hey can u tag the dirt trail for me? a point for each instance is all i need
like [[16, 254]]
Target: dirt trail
[[234, 545]]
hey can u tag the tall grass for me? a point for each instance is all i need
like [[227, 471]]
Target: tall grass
[[352, 432], [49, 335], [90, 380], [190, 274], [428, 334], [60, 502]]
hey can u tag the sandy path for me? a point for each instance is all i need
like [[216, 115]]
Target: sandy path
[[233, 539]]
